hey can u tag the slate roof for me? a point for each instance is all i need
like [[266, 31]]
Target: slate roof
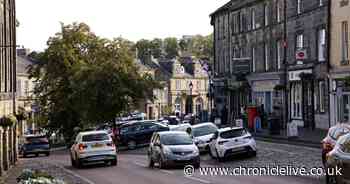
[[22, 64]]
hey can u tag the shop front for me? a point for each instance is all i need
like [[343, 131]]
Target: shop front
[[340, 102]]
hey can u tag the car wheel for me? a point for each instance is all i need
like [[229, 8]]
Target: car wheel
[[24, 155], [150, 162], [211, 154], [252, 154], [131, 145], [47, 154], [196, 165], [37, 154], [114, 162], [72, 162], [331, 179]]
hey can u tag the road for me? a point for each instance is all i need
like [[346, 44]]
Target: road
[[132, 168]]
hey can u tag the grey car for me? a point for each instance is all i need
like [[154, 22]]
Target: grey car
[[339, 157], [172, 148]]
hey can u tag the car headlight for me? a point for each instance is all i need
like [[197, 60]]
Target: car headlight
[[167, 151]]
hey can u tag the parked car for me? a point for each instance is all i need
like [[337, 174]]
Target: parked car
[[181, 127], [139, 132], [35, 145], [93, 147], [172, 148], [330, 140], [230, 141], [339, 157], [202, 134]]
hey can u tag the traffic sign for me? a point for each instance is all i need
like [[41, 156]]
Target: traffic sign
[[301, 54]]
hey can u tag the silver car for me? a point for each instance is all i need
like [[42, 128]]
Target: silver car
[[202, 134], [172, 148]]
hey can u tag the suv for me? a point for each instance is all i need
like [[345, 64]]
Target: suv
[[93, 147], [140, 132], [230, 141], [172, 148], [35, 144]]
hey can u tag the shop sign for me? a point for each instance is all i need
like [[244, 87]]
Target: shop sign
[[295, 75], [262, 86]]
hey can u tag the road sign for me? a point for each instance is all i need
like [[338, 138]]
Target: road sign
[[301, 54]]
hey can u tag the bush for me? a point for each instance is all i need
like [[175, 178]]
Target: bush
[[8, 121], [37, 177]]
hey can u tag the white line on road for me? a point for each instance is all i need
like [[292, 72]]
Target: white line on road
[[75, 174], [166, 171], [140, 164], [198, 179]]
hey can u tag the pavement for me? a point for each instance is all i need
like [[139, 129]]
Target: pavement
[[132, 168]]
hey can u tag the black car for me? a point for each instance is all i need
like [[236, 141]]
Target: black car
[[139, 132], [35, 145]]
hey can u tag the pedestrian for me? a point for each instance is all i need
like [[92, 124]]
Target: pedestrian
[[224, 113], [115, 135]]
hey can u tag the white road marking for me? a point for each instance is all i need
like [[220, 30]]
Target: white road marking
[[75, 174], [140, 164], [198, 179], [166, 171]]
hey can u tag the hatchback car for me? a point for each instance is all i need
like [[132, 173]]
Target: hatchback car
[[93, 147], [35, 145], [340, 157], [330, 140], [139, 133], [230, 141], [173, 148], [202, 134]]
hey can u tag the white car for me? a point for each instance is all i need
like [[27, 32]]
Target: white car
[[93, 147], [202, 134], [230, 141]]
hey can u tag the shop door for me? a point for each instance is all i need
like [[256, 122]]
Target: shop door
[[308, 104]]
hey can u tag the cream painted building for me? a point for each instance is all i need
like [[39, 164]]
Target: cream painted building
[[177, 96], [339, 61]]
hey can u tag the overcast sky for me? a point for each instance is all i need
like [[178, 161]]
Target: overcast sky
[[131, 19]]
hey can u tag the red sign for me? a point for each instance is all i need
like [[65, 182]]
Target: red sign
[[301, 55]]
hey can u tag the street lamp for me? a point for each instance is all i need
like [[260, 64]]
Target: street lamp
[[190, 104]]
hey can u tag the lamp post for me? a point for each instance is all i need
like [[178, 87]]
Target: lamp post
[[190, 104]]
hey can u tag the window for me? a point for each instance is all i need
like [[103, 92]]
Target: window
[[296, 101], [253, 59], [266, 14], [253, 19], [279, 54], [178, 84], [322, 88], [278, 12], [300, 41], [26, 88], [345, 41], [299, 6], [321, 45], [266, 53]]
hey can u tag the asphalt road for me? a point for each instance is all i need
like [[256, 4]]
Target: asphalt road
[[132, 169]]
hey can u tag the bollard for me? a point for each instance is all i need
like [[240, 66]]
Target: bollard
[[1, 149], [5, 149]]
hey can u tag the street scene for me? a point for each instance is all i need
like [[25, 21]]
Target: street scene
[[225, 91]]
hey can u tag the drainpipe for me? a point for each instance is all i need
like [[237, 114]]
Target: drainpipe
[[285, 46], [329, 9]]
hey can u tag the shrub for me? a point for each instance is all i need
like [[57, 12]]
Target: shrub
[[8, 121], [37, 177]]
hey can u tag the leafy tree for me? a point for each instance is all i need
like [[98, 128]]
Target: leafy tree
[[84, 80], [143, 49], [171, 47], [156, 47]]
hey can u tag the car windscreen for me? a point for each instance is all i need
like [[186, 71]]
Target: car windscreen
[[338, 132], [95, 137], [37, 140], [176, 139], [344, 142], [233, 133], [203, 130]]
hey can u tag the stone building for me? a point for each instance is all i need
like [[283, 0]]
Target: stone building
[[24, 93], [251, 38], [185, 87], [339, 61], [8, 142]]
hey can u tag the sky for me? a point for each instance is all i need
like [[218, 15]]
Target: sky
[[131, 19]]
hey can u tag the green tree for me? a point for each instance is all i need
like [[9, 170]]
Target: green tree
[[84, 80], [143, 49], [171, 47], [156, 47]]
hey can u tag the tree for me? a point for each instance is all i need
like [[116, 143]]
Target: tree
[[171, 47], [143, 49], [157, 47], [84, 80]]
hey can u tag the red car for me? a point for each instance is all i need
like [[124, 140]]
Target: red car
[[330, 140]]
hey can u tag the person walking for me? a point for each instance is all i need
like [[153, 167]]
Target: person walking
[[115, 135]]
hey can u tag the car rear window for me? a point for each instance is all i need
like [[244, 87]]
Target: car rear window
[[338, 132], [37, 140], [204, 130], [345, 143], [95, 137], [233, 133]]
